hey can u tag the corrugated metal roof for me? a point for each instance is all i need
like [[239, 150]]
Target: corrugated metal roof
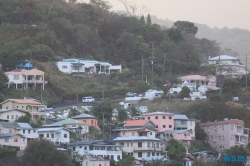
[[135, 138], [49, 129], [175, 131], [66, 121], [82, 116], [222, 57], [180, 116], [158, 113]]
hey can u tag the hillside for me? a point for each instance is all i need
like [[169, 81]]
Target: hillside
[[45, 32]]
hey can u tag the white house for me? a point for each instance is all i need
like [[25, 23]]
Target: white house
[[10, 115], [231, 65], [141, 146], [83, 65], [57, 135], [97, 148], [95, 161]]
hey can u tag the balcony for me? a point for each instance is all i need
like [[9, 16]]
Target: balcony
[[161, 149], [33, 81]]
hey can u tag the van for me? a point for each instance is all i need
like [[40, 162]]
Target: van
[[88, 99]]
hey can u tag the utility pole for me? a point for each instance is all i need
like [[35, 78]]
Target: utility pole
[[77, 87], [152, 59], [142, 67], [246, 72]]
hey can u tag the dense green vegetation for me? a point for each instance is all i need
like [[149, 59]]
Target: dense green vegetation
[[48, 31]]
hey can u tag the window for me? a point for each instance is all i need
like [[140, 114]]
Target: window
[[164, 126], [127, 144], [118, 157], [16, 77], [231, 127], [65, 136], [85, 148], [232, 137], [156, 126], [163, 117], [64, 67], [148, 144], [183, 122], [92, 122], [156, 117], [133, 133], [12, 116], [15, 139], [153, 153], [16, 106], [6, 140], [8, 116], [23, 139], [34, 131], [170, 126], [219, 138], [222, 128], [80, 146], [223, 139], [139, 144], [158, 154], [157, 145], [148, 154], [52, 135], [148, 118], [47, 135], [170, 117], [23, 131], [112, 157], [28, 131], [84, 121], [139, 154], [16, 116], [41, 136]]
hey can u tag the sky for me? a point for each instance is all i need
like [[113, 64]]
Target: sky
[[214, 13]]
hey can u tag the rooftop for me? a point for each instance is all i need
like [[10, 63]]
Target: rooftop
[[136, 122], [92, 143], [16, 125], [225, 121], [158, 113], [133, 138], [175, 131], [223, 57], [180, 116], [82, 116]]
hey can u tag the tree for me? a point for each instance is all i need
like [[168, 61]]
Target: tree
[[186, 27], [103, 110], [142, 19], [185, 91], [24, 119], [42, 52], [175, 35], [199, 133], [126, 160], [73, 112], [176, 150], [133, 111], [122, 115], [102, 4], [44, 153], [3, 81], [149, 20], [232, 154]]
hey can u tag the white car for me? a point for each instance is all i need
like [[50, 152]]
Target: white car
[[88, 99]]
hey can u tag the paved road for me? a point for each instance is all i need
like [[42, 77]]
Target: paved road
[[112, 99]]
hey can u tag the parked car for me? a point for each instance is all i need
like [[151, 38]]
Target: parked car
[[88, 99], [130, 94]]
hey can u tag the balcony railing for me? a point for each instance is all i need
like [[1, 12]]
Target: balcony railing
[[148, 148], [33, 81]]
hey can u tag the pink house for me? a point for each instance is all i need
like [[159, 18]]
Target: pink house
[[222, 135], [209, 81], [162, 120], [180, 135]]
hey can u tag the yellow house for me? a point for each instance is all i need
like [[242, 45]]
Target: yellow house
[[35, 108]]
